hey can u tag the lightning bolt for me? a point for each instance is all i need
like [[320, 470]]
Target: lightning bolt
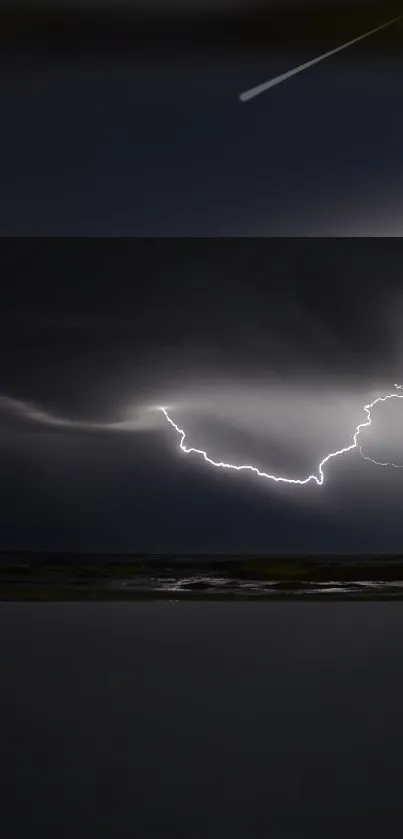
[[319, 477]]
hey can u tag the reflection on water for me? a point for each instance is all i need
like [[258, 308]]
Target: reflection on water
[[220, 586], [196, 587], [102, 577]]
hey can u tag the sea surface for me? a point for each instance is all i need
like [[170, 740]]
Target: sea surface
[[75, 577]]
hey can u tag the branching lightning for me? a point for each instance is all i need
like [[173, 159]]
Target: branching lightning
[[319, 477]]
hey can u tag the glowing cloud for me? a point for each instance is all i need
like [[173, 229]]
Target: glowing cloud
[[319, 477], [140, 419]]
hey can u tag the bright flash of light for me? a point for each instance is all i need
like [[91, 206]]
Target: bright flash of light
[[319, 477]]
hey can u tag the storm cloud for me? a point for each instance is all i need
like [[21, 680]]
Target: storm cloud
[[264, 352]]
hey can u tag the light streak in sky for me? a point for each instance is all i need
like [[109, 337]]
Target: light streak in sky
[[318, 478], [261, 88]]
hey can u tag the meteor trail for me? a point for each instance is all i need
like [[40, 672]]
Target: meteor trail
[[319, 480], [261, 88]]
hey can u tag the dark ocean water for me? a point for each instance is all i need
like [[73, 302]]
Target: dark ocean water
[[89, 577], [199, 587], [220, 587]]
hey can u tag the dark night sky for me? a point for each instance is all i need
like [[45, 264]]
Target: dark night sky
[[116, 126], [264, 351]]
